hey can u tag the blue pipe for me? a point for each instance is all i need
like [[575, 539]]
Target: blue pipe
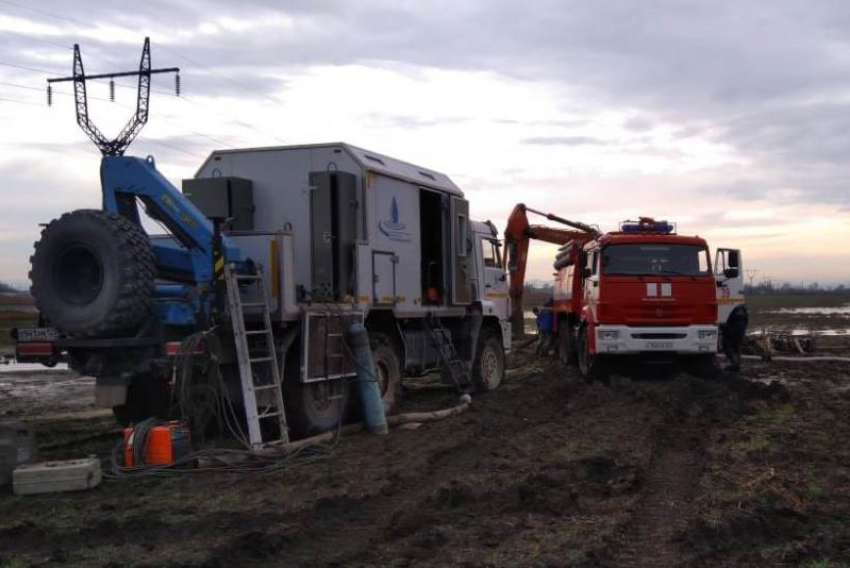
[[370, 392]]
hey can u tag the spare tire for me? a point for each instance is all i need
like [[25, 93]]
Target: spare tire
[[93, 274]]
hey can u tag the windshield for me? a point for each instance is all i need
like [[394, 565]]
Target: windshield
[[655, 258]]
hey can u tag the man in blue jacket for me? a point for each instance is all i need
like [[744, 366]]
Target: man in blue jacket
[[544, 329]]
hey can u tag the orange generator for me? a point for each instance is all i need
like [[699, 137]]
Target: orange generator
[[162, 443]]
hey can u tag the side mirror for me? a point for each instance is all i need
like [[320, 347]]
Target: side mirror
[[730, 273]]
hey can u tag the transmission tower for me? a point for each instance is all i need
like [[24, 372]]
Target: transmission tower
[[119, 145]]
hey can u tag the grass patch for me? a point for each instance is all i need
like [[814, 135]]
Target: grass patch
[[755, 443], [824, 563], [775, 417]]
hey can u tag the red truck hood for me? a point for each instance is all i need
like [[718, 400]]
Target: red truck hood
[[628, 300]]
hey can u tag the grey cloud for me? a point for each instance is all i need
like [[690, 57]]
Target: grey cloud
[[565, 141], [637, 124], [413, 122]]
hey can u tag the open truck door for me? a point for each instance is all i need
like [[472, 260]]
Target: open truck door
[[729, 273], [461, 259]]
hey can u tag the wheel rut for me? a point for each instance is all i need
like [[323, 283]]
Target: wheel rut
[[664, 510]]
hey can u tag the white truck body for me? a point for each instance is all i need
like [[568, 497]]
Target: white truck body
[[339, 226]]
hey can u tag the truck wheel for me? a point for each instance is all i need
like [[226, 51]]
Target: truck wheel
[[387, 370], [566, 349], [319, 407], [93, 274], [591, 367], [311, 408], [489, 368]]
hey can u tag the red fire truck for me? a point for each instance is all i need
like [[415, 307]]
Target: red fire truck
[[642, 294]]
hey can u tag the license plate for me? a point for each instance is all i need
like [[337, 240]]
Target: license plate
[[30, 334], [659, 345]]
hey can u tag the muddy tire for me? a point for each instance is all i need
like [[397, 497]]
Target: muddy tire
[[93, 274], [312, 408], [146, 397], [318, 407], [566, 345], [591, 367], [488, 372], [387, 370]]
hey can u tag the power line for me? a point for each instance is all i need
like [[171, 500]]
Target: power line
[[36, 38], [45, 13], [166, 117], [21, 102], [25, 68], [181, 56], [182, 97], [217, 74]]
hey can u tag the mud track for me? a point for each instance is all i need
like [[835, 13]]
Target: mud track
[[664, 509], [547, 471]]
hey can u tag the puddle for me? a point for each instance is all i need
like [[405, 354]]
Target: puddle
[[11, 366], [840, 311], [820, 332]]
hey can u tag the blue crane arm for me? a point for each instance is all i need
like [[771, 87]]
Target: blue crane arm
[[189, 252]]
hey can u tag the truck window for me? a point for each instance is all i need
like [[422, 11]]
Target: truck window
[[490, 254], [655, 258]]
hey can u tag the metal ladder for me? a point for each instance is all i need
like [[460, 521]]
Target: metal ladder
[[248, 360], [451, 363]]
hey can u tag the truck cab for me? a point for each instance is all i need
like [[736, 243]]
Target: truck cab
[[491, 286], [642, 293]]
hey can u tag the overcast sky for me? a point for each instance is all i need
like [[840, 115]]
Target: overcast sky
[[730, 118]]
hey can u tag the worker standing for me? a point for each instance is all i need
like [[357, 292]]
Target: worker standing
[[544, 329], [733, 333]]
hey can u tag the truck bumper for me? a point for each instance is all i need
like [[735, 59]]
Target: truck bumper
[[626, 340]]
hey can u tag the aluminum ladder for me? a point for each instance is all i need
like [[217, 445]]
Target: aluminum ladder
[[451, 363], [261, 356]]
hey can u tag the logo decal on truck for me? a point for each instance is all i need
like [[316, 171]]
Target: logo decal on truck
[[392, 226]]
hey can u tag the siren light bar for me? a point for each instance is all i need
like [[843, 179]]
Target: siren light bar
[[647, 225]]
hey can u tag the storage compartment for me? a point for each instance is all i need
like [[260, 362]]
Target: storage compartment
[[226, 198], [333, 218]]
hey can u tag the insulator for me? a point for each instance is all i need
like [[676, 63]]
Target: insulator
[[49, 95], [112, 90], [177, 84]]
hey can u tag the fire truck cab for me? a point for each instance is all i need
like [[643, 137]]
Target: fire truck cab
[[643, 294]]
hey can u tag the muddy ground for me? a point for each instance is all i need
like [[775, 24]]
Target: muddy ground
[[547, 471]]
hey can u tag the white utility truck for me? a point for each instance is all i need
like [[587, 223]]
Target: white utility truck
[[344, 233]]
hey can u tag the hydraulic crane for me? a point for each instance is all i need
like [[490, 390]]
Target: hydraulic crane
[[517, 236]]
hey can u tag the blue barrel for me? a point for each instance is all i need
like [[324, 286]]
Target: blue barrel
[[370, 391]]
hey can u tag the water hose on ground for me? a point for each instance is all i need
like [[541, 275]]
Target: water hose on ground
[[397, 420]]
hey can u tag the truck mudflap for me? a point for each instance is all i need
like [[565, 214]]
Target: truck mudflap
[[685, 340], [37, 345]]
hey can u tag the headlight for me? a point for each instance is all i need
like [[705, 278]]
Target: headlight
[[608, 335], [707, 334]]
